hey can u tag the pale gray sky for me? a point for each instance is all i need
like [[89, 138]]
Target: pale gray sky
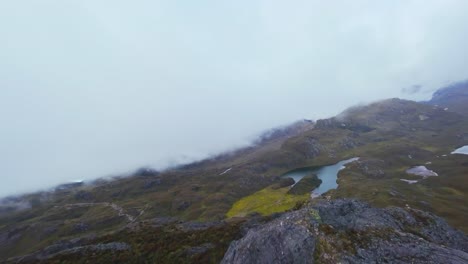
[[91, 88]]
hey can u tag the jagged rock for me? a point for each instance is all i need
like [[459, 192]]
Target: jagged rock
[[279, 243], [348, 143], [314, 147], [146, 172], [350, 231]]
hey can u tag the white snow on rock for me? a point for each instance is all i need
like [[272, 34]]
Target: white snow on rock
[[409, 181], [421, 171], [462, 150], [226, 171], [423, 117]]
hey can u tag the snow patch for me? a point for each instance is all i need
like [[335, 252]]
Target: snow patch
[[463, 150], [421, 171], [409, 181], [226, 171]]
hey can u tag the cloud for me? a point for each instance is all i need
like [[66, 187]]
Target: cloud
[[414, 89], [96, 88]]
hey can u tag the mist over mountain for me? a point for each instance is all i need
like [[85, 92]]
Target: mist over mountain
[[91, 89], [311, 190], [233, 131]]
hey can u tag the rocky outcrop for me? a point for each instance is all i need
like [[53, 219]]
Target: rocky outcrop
[[350, 231]]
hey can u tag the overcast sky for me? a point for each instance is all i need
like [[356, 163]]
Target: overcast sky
[[92, 88]]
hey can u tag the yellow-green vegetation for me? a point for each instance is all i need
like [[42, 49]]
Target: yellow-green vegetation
[[266, 202], [315, 214]]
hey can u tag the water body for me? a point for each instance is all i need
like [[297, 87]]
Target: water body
[[328, 175], [462, 150]]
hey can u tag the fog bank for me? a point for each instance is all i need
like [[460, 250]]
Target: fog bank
[[95, 88]]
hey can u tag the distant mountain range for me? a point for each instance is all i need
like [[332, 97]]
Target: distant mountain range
[[192, 213]]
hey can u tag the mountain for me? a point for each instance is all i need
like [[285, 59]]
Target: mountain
[[193, 212], [452, 97]]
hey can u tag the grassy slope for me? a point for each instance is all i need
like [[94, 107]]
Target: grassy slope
[[266, 202]]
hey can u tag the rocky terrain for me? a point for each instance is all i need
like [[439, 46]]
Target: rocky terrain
[[349, 231], [191, 213]]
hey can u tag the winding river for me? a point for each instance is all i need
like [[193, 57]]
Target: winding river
[[328, 175]]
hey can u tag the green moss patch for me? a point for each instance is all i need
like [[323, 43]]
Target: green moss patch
[[266, 202]]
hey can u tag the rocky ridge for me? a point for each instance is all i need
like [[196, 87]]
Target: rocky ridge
[[351, 231]]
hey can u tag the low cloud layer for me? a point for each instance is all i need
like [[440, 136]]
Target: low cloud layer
[[93, 88]]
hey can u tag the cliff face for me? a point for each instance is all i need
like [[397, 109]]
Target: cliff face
[[350, 231]]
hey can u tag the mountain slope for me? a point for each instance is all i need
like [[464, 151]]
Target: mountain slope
[[389, 136], [453, 97]]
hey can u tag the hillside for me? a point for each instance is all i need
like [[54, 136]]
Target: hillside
[[181, 214], [452, 97]]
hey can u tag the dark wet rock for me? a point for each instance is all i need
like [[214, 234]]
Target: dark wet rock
[[283, 242], [146, 172], [313, 147], [350, 231]]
